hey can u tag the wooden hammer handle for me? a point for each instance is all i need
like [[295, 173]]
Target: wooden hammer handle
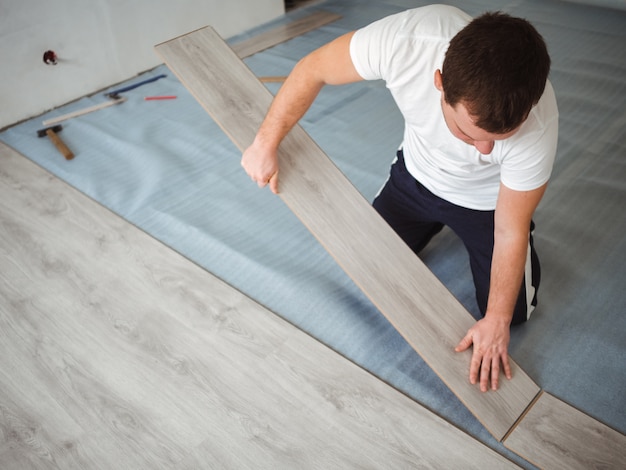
[[59, 144], [272, 79]]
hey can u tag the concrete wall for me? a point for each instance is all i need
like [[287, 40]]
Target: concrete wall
[[99, 43]]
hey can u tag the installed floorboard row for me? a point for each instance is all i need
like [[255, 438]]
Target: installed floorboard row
[[116, 352], [283, 33], [555, 435], [398, 283]]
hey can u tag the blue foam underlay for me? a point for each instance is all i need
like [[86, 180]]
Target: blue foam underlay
[[166, 167]]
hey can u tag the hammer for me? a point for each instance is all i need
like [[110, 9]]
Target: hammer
[[51, 132]]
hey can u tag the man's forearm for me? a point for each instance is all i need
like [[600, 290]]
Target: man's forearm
[[291, 103], [513, 216], [329, 65], [507, 271]]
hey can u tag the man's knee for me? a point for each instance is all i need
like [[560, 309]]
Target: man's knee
[[527, 299], [524, 306]]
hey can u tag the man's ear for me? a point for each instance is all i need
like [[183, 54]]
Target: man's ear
[[438, 80]]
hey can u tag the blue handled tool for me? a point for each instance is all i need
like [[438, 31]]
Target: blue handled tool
[[114, 94]]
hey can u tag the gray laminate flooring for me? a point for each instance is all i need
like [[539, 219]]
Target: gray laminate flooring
[[116, 352], [554, 434]]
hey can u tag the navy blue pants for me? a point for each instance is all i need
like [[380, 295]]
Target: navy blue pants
[[417, 215]]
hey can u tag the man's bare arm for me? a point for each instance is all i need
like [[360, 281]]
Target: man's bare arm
[[490, 336], [329, 65]]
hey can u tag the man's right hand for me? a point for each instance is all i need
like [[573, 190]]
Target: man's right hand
[[261, 165]]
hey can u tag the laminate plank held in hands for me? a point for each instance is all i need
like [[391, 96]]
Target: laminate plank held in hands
[[417, 304]]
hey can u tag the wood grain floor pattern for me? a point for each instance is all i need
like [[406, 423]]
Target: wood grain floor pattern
[[398, 283], [555, 435], [117, 352], [283, 33]]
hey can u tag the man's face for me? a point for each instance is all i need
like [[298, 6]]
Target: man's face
[[461, 124]]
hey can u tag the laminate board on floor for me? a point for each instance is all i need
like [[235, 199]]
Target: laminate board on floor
[[398, 283], [283, 33], [117, 352], [555, 435]]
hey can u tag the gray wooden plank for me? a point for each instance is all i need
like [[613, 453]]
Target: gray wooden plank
[[398, 283], [283, 33], [117, 352], [555, 435]]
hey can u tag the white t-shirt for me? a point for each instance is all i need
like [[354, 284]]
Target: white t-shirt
[[405, 50]]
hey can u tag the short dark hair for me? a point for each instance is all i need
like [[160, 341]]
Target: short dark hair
[[497, 66]]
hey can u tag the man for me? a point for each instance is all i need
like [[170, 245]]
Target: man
[[481, 126]]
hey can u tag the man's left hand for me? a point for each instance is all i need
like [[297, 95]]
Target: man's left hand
[[490, 338]]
